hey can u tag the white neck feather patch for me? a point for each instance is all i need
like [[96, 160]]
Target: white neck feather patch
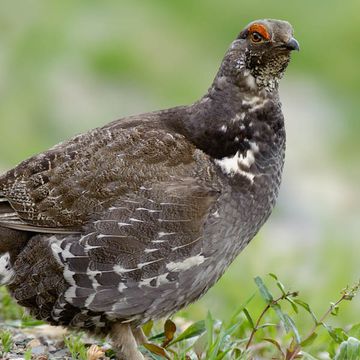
[[6, 272], [239, 164]]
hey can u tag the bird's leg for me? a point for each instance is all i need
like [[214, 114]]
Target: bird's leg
[[139, 336], [125, 343]]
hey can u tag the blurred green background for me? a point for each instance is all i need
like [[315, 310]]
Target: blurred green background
[[67, 66]]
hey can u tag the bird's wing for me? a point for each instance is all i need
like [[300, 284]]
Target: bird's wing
[[126, 261], [61, 189]]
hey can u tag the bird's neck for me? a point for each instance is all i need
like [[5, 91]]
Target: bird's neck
[[242, 131], [251, 73], [229, 117]]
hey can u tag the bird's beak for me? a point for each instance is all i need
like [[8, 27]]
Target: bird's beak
[[292, 44]]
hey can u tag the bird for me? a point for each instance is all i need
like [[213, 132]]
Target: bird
[[134, 220]]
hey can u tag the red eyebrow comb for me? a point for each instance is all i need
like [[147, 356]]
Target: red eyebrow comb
[[261, 29]]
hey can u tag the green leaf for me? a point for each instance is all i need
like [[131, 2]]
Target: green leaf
[[306, 306], [274, 342], [157, 350], [264, 291], [287, 321], [209, 324], [147, 328], [217, 350], [27, 354], [334, 309], [193, 330], [214, 350], [293, 304], [306, 356], [349, 350], [29, 322], [274, 277], [241, 308], [6, 340], [200, 346], [160, 336], [337, 334], [266, 325], [355, 331], [278, 283], [309, 340], [231, 329], [110, 353], [292, 326], [169, 331], [281, 316], [222, 354], [249, 318]]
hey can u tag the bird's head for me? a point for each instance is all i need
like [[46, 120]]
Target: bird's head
[[263, 50]]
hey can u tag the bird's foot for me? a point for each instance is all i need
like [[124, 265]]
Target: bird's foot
[[126, 342]]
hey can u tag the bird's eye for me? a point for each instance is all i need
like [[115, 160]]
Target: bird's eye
[[256, 37]]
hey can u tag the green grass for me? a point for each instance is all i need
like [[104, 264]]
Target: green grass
[[6, 342], [271, 334], [27, 354], [76, 347], [268, 331]]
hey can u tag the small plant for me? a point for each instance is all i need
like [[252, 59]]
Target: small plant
[[349, 350], [337, 334], [298, 343], [245, 337], [27, 354], [76, 347], [272, 330], [6, 341], [8, 309]]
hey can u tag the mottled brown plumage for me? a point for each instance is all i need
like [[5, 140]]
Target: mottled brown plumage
[[135, 220]]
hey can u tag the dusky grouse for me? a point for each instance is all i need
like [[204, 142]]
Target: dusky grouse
[[134, 220]]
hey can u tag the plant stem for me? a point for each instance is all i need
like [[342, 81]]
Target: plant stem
[[320, 322], [256, 326], [268, 306]]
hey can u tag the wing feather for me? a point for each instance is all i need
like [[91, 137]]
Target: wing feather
[[119, 260], [65, 186], [17, 224]]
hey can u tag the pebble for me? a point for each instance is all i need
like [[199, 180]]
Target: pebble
[[39, 350], [47, 343]]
